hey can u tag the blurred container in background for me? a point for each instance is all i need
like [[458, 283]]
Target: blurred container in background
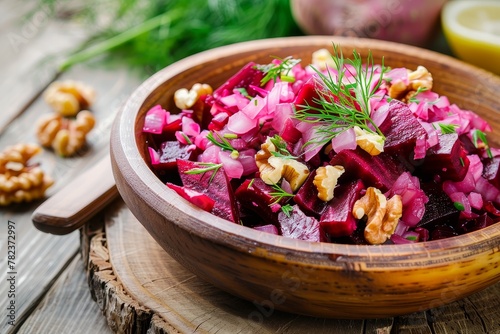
[[414, 22]]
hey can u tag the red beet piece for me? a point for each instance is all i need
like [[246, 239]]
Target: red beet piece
[[447, 159], [307, 198], [401, 129], [380, 171], [203, 201], [491, 171], [337, 220], [299, 226], [439, 209], [169, 152], [474, 224], [290, 133], [247, 76], [217, 187], [307, 95], [255, 195], [490, 207]]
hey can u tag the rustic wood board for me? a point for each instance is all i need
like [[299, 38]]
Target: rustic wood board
[[67, 306], [139, 287]]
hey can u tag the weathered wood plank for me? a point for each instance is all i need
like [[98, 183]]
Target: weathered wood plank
[[479, 313], [31, 48], [41, 256], [67, 307]]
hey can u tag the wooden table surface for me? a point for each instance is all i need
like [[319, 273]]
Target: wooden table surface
[[50, 281]]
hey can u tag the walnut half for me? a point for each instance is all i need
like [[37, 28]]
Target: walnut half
[[273, 168], [19, 181], [421, 78], [382, 215], [66, 136], [325, 180], [69, 97]]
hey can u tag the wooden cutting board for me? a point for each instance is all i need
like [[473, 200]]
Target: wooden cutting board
[[140, 289]]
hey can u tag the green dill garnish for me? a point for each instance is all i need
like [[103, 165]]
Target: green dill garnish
[[411, 238], [462, 163], [281, 149], [146, 35], [418, 91], [250, 184], [243, 92], [186, 138], [448, 128], [282, 70], [459, 206], [345, 102], [223, 143], [287, 210], [207, 167], [278, 194], [480, 135]]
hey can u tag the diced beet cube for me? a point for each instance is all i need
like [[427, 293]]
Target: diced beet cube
[[468, 145], [290, 133], [442, 232], [338, 220], [447, 159], [248, 75], [379, 171], [168, 154], [491, 171], [299, 226], [474, 224], [401, 129], [255, 195], [439, 209], [216, 186], [307, 95], [490, 207], [307, 198], [203, 201]]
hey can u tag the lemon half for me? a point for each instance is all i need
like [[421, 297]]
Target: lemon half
[[472, 29]]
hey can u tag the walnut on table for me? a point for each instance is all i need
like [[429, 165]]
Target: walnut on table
[[20, 181], [68, 97], [66, 136]]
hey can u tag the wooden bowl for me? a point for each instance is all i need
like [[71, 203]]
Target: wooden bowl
[[277, 273]]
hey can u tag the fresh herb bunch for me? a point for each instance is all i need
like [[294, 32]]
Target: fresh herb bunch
[[153, 34], [344, 100]]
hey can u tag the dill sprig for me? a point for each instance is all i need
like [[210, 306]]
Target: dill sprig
[[149, 35], [278, 194], [413, 98], [223, 143], [344, 101], [448, 128], [281, 148], [287, 210], [207, 167], [480, 135], [280, 70]]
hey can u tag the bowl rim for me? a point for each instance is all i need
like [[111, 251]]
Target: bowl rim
[[135, 169]]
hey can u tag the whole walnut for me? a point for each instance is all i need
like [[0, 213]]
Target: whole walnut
[[66, 136], [19, 180]]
